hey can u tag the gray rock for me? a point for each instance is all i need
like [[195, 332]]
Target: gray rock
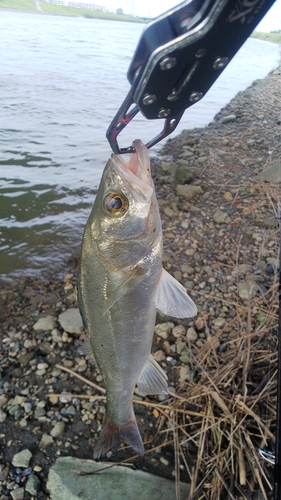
[[185, 268], [46, 323], [185, 357], [228, 119], [183, 175], [188, 192], [15, 411], [219, 321], [22, 458], [116, 483], [58, 429], [168, 211], [178, 275], [33, 484], [180, 346], [56, 335], [45, 441], [39, 412], [3, 416], [178, 330], [274, 261], [71, 321], [221, 217], [27, 407], [270, 222], [17, 494], [3, 400], [159, 355], [164, 329], [168, 166], [70, 410], [26, 358], [191, 334], [248, 290], [271, 174]]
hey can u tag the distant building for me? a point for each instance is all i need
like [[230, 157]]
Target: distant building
[[119, 11], [88, 4]]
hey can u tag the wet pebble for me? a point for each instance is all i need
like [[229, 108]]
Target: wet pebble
[[22, 458], [33, 484], [164, 329], [191, 334], [46, 323]]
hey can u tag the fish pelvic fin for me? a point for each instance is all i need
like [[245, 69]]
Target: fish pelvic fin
[[152, 380], [111, 434], [172, 299]]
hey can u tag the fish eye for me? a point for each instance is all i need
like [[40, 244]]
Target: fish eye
[[115, 204]]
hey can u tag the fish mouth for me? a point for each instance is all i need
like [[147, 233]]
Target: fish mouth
[[136, 172]]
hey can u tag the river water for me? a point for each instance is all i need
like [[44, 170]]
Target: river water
[[61, 82]]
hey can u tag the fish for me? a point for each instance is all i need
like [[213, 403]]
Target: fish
[[121, 285]]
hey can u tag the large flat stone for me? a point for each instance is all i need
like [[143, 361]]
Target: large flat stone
[[116, 483], [271, 174]]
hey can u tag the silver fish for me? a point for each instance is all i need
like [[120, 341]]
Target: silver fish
[[121, 284]]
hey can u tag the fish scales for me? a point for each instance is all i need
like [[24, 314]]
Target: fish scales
[[121, 284]]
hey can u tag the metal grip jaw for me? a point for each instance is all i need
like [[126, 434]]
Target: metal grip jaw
[[179, 56]]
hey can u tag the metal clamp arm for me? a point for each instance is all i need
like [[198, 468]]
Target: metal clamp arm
[[180, 55]]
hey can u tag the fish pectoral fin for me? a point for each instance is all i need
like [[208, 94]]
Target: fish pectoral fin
[[152, 380], [172, 299], [122, 289]]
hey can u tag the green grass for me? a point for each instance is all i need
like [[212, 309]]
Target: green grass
[[18, 4], [67, 11], [273, 36], [96, 14]]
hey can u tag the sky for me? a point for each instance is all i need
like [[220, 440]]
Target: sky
[[153, 8]]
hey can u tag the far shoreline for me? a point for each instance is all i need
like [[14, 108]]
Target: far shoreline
[[86, 15], [271, 37]]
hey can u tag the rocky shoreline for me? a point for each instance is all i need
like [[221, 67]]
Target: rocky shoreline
[[218, 192]]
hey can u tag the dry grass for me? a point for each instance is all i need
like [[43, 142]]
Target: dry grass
[[228, 412]]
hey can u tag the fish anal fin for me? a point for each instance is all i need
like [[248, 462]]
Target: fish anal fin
[[172, 298], [152, 380], [111, 434]]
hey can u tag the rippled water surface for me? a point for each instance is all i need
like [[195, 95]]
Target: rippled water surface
[[61, 82]]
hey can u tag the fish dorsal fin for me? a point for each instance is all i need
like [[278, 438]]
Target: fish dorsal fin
[[172, 299], [152, 380], [122, 289]]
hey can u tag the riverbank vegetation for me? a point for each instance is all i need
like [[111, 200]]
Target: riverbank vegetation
[[18, 4], [48, 8], [273, 36], [95, 14]]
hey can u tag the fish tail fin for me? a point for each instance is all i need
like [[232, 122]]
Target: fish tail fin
[[112, 433]]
